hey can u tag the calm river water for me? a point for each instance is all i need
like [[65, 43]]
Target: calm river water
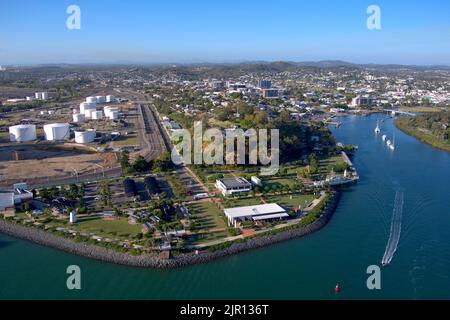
[[307, 268]]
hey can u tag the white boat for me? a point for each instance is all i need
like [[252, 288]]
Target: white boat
[[384, 137], [388, 143], [377, 129], [392, 145]]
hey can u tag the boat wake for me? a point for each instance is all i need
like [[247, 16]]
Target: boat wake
[[396, 229]]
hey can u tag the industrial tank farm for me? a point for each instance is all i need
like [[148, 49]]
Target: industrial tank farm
[[56, 139]]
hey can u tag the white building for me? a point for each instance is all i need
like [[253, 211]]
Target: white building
[[363, 100], [6, 200], [232, 186], [19, 194], [73, 217], [261, 212], [256, 181]]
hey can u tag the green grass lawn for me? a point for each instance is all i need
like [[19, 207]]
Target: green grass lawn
[[119, 227], [294, 170], [4, 136], [209, 217], [284, 182], [242, 202], [131, 140], [324, 163], [296, 201]]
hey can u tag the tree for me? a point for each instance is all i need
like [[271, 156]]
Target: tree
[[125, 161], [164, 163], [141, 165], [313, 164]]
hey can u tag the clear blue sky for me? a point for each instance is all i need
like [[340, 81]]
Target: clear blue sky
[[153, 31]]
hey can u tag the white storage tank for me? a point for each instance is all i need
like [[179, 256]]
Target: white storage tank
[[38, 95], [44, 95], [57, 131], [97, 115], [113, 115], [78, 118], [86, 105], [83, 137], [107, 110], [88, 113], [110, 98], [91, 100], [22, 133], [100, 99]]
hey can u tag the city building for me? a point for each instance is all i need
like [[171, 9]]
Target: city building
[[270, 93], [233, 186], [264, 84], [363, 100], [216, 85], [261, 212]]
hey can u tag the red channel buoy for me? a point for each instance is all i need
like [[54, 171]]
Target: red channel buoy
[[337, 289]]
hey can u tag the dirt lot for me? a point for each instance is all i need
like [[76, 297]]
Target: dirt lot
[[64, 164]]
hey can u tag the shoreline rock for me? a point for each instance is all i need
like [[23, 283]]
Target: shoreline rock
[[153, 260]]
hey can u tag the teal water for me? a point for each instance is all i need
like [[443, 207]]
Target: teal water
[[306, 268]]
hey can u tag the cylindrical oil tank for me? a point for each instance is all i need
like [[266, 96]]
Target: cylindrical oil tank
[[78, 118], [100, 99], [107, 110], [110, 98], [91, 100], [57, 131], [97, 115], [83, 137], [113, 115], [85, 105], [22, 133], [88, 113]]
